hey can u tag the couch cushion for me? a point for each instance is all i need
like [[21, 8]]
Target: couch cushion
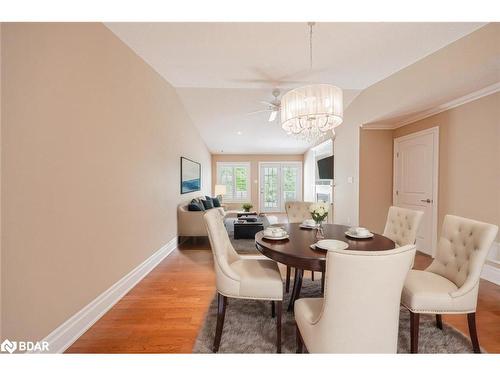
[[207, 203], [216, 202], [195, 205]]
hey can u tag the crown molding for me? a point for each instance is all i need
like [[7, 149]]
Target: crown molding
[[488, 90]]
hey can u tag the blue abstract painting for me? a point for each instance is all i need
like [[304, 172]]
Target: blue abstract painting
[[190, 176]]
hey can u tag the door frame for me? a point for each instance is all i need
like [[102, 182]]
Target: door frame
[[301, 169], [435, 177]]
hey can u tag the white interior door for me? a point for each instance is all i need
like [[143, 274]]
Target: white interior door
[[279, 183], [416, 181]]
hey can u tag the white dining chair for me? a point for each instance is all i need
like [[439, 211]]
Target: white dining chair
[[360, 309], [241, 277], [450, 285], [402, 225]]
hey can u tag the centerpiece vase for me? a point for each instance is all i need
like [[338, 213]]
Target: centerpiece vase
[[320, 234]]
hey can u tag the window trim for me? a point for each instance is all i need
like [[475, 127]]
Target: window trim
[[234, 164]]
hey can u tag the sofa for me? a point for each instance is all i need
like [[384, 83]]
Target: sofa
[[191, 223]]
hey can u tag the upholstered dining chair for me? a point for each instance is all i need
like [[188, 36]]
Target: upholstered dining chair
[[450, 285], [402, 225], [360, 309], [296, 212], [240, 277]]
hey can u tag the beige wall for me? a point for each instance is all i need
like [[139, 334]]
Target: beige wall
[[254, 170], [469, 163], [90, 169], [375, 178], [469, 159], [464, 66]]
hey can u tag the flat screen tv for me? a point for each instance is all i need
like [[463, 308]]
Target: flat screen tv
[[190, 175], [325, 168]]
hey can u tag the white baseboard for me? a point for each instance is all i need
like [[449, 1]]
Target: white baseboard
[[68, 332], [490, 272]]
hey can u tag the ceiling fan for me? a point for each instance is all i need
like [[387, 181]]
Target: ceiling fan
[[272, 107]]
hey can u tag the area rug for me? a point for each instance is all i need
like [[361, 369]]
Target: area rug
[[244, 246], [249, 328]]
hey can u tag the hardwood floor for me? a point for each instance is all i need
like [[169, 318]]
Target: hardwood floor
[[164, 312]]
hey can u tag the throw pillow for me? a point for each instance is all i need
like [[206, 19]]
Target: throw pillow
[[207, 204], [195, 205], [216, 202]]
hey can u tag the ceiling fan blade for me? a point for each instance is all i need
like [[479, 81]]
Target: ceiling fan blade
[[272, 116], [268, 103]]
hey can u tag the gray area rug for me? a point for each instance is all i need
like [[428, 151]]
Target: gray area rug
[[244, 246], [249, 328]]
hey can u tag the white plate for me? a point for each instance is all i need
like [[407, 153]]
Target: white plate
[[306, 226], [276, 238], [349, 234], [331, 245]]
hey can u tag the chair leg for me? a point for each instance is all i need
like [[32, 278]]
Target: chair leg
[[439, 321], [471, 319], [279, 305], [312, 275], [273, 310], [221, 313], [300, 343], [414, 325], [287, 284], [322, 282]]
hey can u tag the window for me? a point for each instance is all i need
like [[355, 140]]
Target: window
[[236, 177]]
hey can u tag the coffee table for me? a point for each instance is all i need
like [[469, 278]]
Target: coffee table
[[247, 229]]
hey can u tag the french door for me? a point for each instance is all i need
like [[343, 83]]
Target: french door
[[279, 183]]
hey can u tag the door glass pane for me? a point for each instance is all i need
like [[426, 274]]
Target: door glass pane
[[290, 182], [241, 178], [271, 188]]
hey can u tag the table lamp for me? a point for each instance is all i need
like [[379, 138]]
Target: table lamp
[[219, 191]]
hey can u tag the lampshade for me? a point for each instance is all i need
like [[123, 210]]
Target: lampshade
[[311, 111], [220, 190]]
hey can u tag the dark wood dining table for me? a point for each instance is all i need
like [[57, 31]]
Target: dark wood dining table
[[296, 250]]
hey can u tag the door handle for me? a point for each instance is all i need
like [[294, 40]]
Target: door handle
[[426, 200]]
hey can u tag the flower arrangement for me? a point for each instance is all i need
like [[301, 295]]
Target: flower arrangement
[[247, 207], [319, 211]]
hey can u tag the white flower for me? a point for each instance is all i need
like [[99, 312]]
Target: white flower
[[320, 208]]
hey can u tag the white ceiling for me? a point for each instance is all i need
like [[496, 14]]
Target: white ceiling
[[223, 70]]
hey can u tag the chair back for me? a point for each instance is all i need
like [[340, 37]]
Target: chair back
[[462, 250], [360, 311], [297, 211], [402, 225], [227, 280]]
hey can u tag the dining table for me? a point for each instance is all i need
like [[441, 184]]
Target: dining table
[[296, 251]]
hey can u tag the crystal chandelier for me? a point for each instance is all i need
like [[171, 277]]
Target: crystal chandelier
[[309, 112]]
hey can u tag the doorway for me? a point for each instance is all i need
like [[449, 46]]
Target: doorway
[[279, 182], [415, 185]]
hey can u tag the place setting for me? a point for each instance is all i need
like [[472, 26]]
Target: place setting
[[308, 224], [327, 245], [359, 233], [275, 233]]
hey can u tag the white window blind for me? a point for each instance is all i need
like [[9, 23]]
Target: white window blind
[[236, 177]]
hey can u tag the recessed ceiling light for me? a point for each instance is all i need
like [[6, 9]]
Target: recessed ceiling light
[[239, 132]]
